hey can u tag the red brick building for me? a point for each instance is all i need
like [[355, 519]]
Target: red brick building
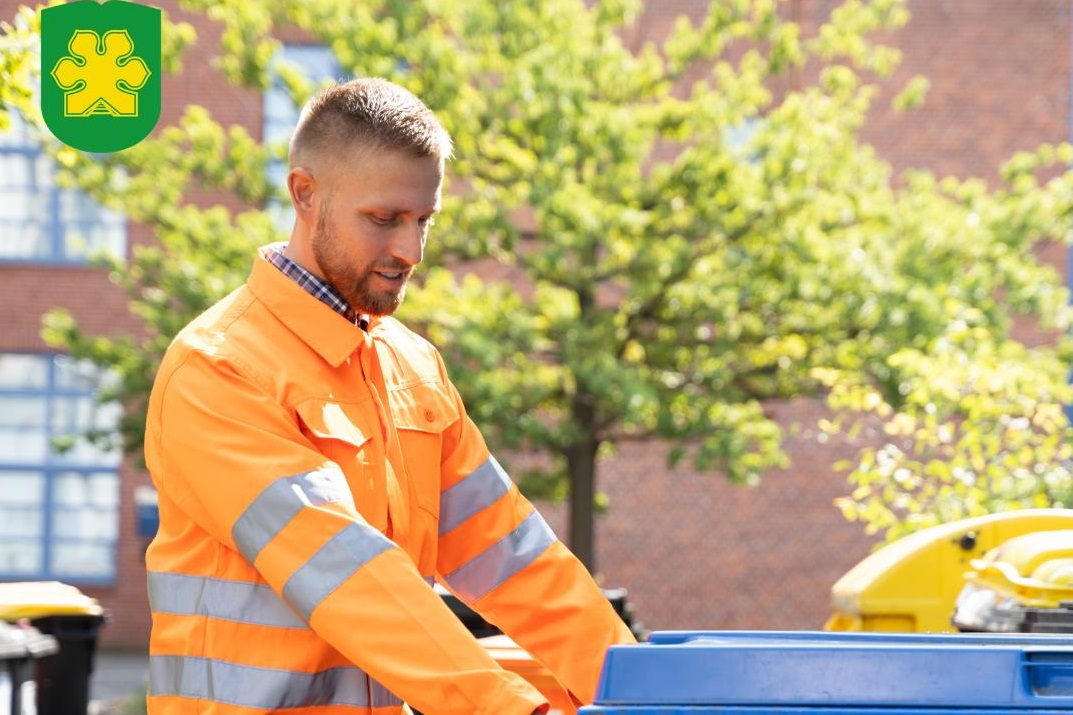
[[694, 551]]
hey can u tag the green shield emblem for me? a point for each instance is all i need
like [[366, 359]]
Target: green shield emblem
[[100, 73]]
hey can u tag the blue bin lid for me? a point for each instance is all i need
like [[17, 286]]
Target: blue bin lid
[[844, 670]]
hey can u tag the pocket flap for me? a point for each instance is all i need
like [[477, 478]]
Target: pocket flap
[[423, 406], [329, 420]]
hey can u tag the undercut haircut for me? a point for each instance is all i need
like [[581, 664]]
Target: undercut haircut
[[367, 113]]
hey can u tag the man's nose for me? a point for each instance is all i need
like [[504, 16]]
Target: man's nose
[[409, 243]]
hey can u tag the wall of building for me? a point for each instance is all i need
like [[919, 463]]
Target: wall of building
[[693, 550]]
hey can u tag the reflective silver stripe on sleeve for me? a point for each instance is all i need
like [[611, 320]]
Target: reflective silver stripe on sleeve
[[502, 559], [479, 490], [381, 696], [332, 565], [265, 688], [281, 501], [241, 601]]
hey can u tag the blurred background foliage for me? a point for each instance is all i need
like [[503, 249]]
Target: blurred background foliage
[[680, 238]]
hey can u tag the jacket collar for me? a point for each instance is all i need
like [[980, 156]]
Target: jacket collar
[[331, 335]]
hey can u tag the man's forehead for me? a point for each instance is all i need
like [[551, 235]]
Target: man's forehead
[[360, 160], [399, 181], [398, 202]]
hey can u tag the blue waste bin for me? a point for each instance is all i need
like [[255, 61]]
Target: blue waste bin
[[827, 673]]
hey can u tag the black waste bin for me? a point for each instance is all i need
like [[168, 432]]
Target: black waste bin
[[624, 609], [63, 678], [481, 628], [472, 620], [73, 620], [19, 648]]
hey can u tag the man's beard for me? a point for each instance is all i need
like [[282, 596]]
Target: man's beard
[[354, 283]]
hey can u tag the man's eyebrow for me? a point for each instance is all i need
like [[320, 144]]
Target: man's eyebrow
[[387, 207]]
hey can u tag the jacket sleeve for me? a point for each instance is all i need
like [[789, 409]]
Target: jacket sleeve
[[236, 463], [499, 556]]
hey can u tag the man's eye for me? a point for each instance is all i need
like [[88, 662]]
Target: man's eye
[[382, 220]]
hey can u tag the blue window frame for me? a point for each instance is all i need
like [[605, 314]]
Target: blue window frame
[[41, 222], [280, 114], [59, 510]]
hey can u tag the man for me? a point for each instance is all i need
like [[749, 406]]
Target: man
[[317, 471]]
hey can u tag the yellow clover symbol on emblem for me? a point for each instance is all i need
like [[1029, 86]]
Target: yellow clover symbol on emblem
[[101, 75]]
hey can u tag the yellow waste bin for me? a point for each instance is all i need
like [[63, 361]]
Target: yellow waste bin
[[74, 620], [912, 585]]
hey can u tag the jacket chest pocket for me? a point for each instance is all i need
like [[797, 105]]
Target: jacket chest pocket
[[422, 412], [343, 433]]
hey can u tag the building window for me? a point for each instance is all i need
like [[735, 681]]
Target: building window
[[280, 114], [59, 508], [40, 222]]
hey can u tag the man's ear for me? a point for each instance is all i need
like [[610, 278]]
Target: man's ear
[[302, 185]]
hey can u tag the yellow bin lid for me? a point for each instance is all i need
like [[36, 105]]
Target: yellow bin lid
[[1036, 569], [37, 599]]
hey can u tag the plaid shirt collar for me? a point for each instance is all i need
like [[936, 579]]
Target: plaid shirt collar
[[313, 285]]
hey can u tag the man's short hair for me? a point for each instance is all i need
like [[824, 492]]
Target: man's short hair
[[367, 113]]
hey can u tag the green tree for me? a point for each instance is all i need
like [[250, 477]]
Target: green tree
[[18, 59], [975, 421], [684, 241]]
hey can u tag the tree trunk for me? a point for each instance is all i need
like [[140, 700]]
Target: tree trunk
[[581, 464]]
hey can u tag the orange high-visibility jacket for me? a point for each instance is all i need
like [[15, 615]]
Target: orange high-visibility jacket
[[314, 480]]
